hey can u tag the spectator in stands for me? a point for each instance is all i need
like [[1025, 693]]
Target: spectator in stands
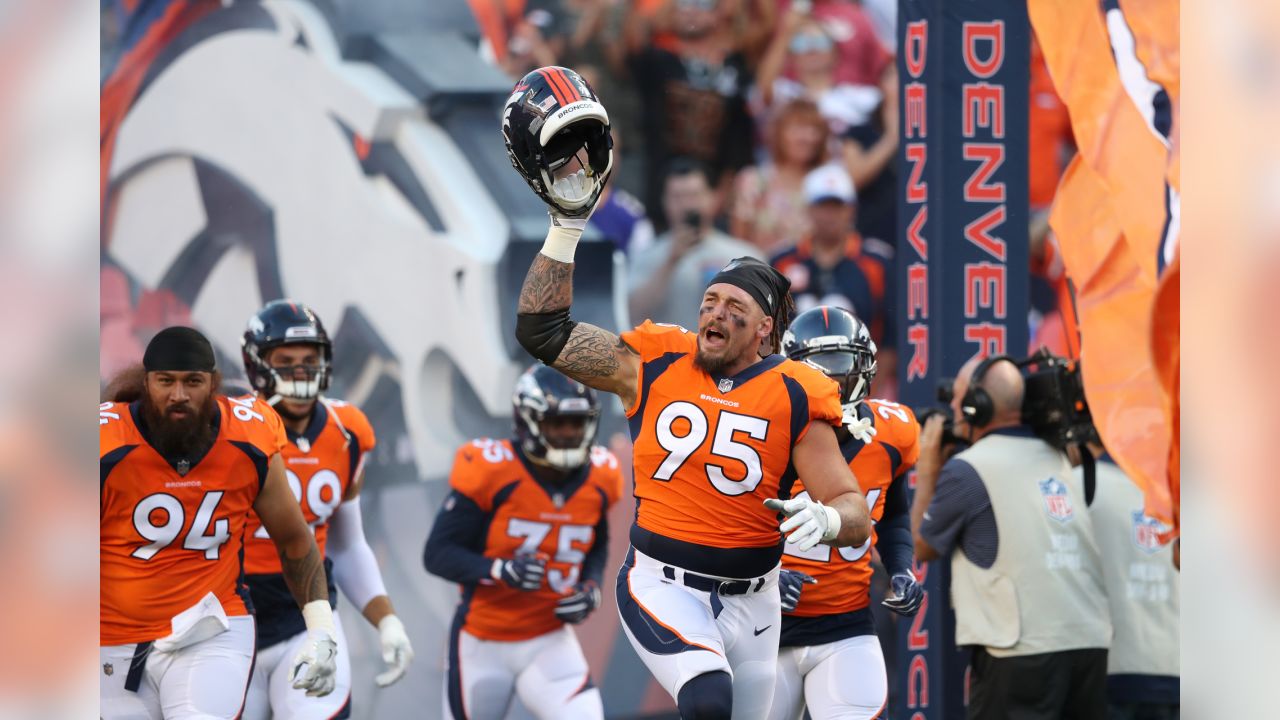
[[833, 264], [528, 45], [769, 206], [869, 150], [802, 45], [693, 99], [861, 58], [1010, 517], [667, 278]]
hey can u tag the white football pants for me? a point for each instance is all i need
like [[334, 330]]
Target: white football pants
[[843, 680], [271, 692]]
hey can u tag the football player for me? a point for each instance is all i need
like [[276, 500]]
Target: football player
[[181, 468], [287, 356], [830, 660], [525, 531], [717, 419]]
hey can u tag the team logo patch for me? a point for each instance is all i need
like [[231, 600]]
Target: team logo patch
[[183, 467], [1056, 500], [558, 500], [303, 444], [1146, 532], [108, 669], [725, 385]]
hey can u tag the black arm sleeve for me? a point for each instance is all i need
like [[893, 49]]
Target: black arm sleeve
[[544, 334], [453, 547], [893, 532], [593, 564]]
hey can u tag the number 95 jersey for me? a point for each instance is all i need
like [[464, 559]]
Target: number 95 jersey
[[170, 535], [709, 450], [844, 574]]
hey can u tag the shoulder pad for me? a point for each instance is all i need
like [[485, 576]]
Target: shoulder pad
[[652, 340], [355, 421]]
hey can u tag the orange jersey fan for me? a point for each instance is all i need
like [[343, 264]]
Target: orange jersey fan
[[717, 446], [171, 535], [562, 522], [844, 574]]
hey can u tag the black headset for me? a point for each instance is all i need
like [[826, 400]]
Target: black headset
[[977, 405]]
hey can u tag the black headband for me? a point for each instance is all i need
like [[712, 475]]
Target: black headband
[[764, 284], [179, 349]]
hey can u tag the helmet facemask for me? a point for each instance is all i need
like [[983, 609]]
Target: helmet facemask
[[541, 449], [575, 164]]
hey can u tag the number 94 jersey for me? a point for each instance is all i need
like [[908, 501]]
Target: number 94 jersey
[[171, 533], [844, 574]]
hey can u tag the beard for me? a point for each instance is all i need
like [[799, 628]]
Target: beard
[[181, 437], [284, 410], [712, 365]]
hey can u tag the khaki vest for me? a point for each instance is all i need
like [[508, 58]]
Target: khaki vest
[[1142, 583], [1044, 591]]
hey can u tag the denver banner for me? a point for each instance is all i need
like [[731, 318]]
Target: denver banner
[[962, 272]]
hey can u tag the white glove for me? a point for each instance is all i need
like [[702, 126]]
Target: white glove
[[862, 429], [397, 653], [815, 522], [315, 667]]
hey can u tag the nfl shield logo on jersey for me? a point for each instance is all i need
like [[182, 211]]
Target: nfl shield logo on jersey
[[1056, 500], [1146, 532], [725, 385]]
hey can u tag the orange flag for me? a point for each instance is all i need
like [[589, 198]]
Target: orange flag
[[1116, 221]]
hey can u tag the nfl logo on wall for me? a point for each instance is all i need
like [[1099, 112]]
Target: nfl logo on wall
[[1146, 532], [1056, 500]]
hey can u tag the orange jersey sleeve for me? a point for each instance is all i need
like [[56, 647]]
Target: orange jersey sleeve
[[652, 342], [607, 474], [473, 470], [355, 422], [844, 574], [171, 533]]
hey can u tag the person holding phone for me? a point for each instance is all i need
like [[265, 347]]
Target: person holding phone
[[667, 278]]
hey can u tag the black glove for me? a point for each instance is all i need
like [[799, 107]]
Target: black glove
[[907, 594], [790, 582], [576, 606], [523, 573]]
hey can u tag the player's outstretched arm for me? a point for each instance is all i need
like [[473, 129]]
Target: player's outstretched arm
[[315, 666], [591, 355], [830, 482]]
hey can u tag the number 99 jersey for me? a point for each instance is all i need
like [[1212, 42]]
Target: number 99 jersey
[[321, 465], [844, 574], [709, 450], [170, 535]]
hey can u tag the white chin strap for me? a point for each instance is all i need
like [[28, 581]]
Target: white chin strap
[[566, 458]]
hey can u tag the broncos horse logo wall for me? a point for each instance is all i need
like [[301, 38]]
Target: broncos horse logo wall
[[347, 154]]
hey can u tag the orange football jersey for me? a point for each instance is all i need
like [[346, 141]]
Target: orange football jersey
[[528, 517], [709, 450], [844, 574], [169, 538], [320, 464]]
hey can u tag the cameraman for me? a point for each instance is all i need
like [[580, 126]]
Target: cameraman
[[1025, 578]]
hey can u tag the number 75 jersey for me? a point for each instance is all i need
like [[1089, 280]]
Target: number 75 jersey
[[844, 574], [170, 535]]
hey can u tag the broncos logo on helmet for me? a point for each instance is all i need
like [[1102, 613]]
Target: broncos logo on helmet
[[552, 118]]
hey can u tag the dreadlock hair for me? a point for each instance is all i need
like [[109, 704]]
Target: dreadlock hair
[[781, 321]]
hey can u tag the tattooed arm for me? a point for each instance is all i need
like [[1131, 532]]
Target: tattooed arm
[[281, 515], [593, 356]]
